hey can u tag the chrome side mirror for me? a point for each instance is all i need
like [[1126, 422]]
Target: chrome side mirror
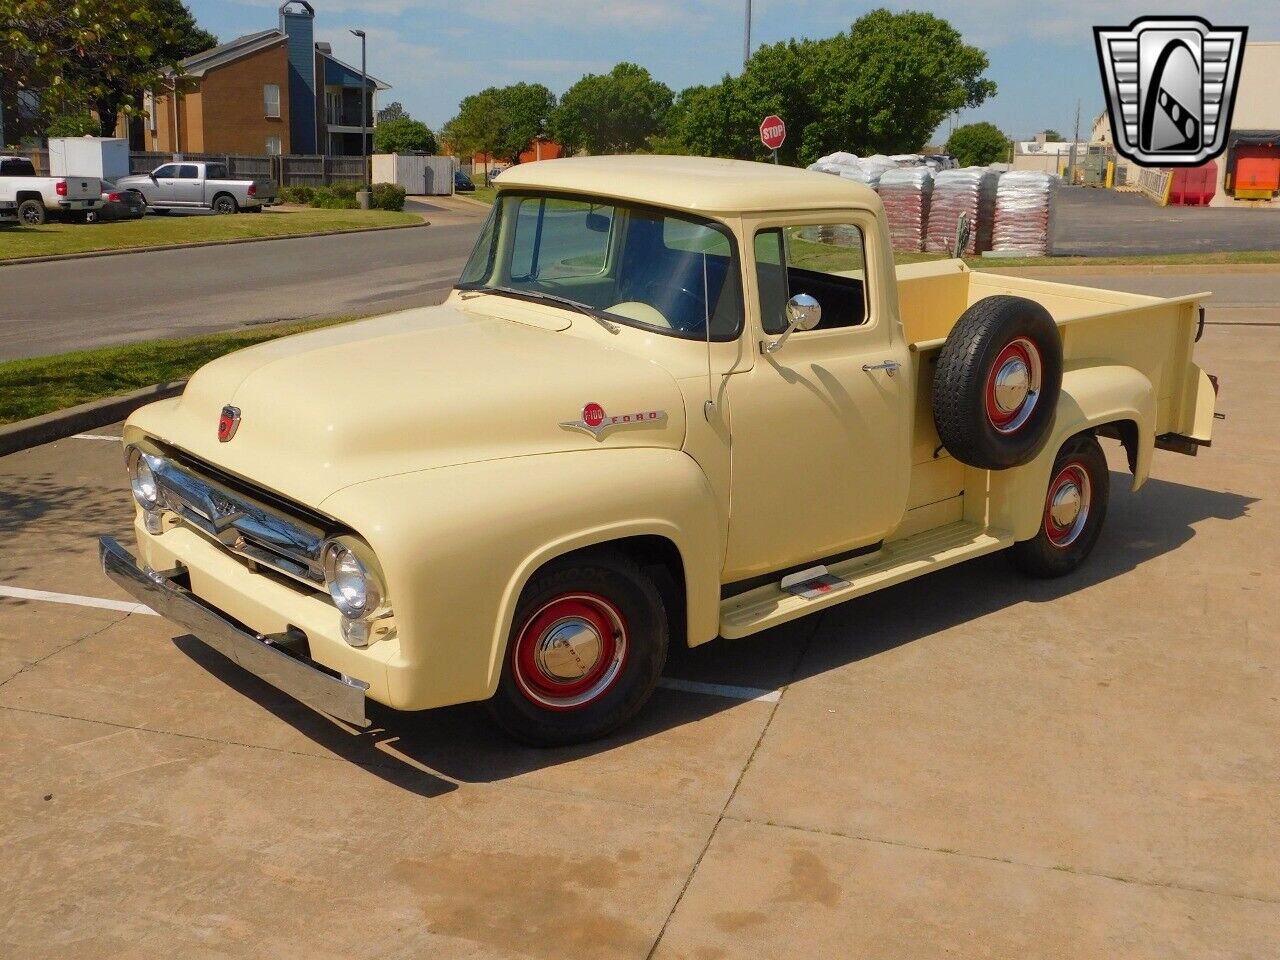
[[803, 313]]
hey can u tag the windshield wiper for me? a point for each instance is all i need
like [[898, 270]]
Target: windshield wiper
[[537, 296]]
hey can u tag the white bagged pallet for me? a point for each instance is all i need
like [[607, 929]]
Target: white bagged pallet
[[1024, 213], [906, 193], [970, 190]]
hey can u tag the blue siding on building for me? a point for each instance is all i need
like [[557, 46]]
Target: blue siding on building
[[298, 27], [337, 75]]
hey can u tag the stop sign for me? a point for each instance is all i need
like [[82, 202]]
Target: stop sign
[[773, 132]]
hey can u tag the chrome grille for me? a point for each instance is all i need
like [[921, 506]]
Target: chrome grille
[[240, 524]]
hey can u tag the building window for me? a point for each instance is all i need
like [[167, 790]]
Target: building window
[[271, 99], [273, 146]]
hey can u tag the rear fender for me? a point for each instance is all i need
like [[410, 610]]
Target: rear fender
[[1092, 397], [459, 544]]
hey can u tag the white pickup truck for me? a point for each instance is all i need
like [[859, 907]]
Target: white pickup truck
[[195, 185], [36, 197]]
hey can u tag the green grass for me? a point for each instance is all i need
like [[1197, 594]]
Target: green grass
[[17, 243], [29, 388], [482, 193]]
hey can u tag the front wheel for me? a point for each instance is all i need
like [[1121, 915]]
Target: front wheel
[[1075, 506], [587, 645]]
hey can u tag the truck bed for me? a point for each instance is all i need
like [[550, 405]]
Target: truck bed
[[1154, 335]]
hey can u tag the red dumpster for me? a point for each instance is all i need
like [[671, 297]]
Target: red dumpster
[[1194, 186]]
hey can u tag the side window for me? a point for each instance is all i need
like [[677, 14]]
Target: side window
[[271, 99], [188, 171], [216, 171], [167, 172], [826, 261]]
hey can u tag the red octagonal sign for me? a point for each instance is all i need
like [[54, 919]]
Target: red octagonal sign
[[773, 132]]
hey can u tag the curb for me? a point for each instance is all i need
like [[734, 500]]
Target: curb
[[87, 416], [474, 202], [1117, 269], [19, 261]]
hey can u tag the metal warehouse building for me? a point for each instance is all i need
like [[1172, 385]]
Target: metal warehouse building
[[1249, 172]]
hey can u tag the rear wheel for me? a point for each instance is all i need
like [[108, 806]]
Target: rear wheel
[[587, 646], [32, 213], [225, 203], [1074, 508]]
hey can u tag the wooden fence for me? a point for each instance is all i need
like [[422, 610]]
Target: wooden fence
[[292, 170]]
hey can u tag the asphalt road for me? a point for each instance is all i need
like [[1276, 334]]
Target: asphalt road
[[48, 308], [1093, 223]]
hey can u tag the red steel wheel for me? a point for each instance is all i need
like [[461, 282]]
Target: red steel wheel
[[570, 652], [1014, 385], [1066, 509]]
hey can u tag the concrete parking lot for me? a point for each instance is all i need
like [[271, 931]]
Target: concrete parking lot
[[967, 765]]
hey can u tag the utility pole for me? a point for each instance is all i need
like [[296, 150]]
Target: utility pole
[[1075, 143], [364, 197], [746, 40]]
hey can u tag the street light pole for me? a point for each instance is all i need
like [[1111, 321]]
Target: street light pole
[[364, 122], [746, 40]]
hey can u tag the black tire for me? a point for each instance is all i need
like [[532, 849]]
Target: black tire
[[31, 213], [992, 334], [224, 203], [1057, 550], [527, 705]]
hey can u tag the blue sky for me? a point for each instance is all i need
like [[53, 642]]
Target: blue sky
[[435, 52]]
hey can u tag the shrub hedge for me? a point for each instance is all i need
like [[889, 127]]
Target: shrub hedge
[[342, 196]]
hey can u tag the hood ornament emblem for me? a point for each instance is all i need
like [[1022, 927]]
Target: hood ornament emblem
[[597, 423], [228, 423]]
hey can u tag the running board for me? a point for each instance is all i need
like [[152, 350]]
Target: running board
[[770, 605]]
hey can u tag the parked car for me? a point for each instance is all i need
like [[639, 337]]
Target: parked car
[[120, 204], [462, 183], [37, 197], [686, 398], [8, 213], [197, 185]]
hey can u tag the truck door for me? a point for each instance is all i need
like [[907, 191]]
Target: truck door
[[165, 189], [189, 186], [821, 425]]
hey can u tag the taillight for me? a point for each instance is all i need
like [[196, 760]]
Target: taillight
[[253, 190], [61, 188], [113, 197]]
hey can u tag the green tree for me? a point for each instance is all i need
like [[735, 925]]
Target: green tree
[[403, 135], [95, 55], [978, 144], [74, 125], [1052, 136], [884, 86], [615, 112], [500, 121], [392, 111]]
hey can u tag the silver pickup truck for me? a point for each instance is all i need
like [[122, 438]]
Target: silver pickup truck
[[197, 185]]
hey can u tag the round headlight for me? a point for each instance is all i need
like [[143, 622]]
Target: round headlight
[[142, 479], [353, 585]]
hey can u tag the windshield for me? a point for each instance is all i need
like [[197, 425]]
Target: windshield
[[660, 270]]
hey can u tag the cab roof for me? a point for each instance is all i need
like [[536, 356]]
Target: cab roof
[[703, 184]]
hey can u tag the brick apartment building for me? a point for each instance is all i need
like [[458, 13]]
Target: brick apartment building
[[275, 92]]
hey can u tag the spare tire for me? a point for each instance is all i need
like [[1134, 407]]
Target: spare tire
[[996, 386]]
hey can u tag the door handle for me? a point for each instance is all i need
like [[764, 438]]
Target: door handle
[[890, 367]]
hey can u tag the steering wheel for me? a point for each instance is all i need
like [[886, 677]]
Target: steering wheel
[[664, 289]]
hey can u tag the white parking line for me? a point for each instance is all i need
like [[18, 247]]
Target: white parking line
[[720, 690], [95, 436], [729, 691], [128, 606]]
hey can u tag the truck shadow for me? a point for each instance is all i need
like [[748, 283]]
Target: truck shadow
[[429, 753]]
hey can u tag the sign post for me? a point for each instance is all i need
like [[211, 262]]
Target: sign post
[[773, 133]]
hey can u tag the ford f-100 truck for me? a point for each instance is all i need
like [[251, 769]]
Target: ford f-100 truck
[[668, 400]]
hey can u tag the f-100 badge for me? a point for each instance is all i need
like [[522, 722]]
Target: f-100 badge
[[1171, 86], [597, 423]]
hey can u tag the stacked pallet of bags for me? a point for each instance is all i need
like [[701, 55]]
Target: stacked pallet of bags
[[1024, 213], [970, 190], [865, 170], [906, 194]]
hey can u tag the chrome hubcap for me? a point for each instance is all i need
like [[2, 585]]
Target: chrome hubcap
[[1013, 381], [1066, 505], [569, 650]]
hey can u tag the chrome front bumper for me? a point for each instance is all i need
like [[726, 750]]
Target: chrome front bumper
[[304, 680]]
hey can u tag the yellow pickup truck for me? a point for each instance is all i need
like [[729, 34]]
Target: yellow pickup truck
[[668, 400]]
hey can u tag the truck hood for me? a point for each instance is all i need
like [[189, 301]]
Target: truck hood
[[414, 391]]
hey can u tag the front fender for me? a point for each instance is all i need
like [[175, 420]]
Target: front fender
[[1092, 396], [458, 544]]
